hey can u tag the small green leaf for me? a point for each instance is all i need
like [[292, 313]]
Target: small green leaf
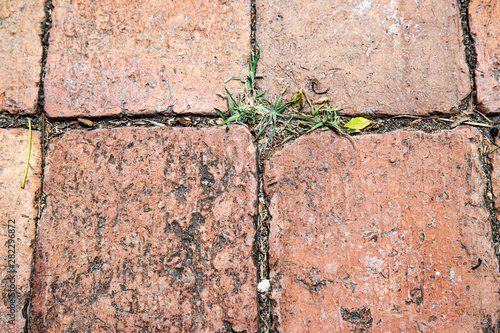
[[357, 123], [221, 114], [298, 100]]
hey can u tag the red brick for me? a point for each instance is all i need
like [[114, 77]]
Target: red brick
[[18, 210], [484, 22], [147, 228], [20, 54], [377, 57], [382, 236], [144, 57]]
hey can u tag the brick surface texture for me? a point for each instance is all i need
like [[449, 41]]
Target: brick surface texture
[[148, 230], [377, 57], [495, 180], [17, 223], [144, 57], [20, 54], [384, 236], [485, 27]]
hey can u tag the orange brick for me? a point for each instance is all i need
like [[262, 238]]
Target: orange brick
[[384, 236], [18, 212], [484, 22], [147, 228], [20, 54], [376, 57], [110, 57]]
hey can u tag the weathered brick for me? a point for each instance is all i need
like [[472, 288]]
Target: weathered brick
[[377, 57], [144, 57], [17, 223], [20, 54], [385, 235], [485, 27], [147, 228]]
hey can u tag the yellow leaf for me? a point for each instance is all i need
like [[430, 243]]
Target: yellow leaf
[[298, 100], [357, 123]]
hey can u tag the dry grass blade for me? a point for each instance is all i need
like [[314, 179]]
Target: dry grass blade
[[29, 156]]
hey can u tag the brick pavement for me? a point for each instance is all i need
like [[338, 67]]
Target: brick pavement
[[156, 229]]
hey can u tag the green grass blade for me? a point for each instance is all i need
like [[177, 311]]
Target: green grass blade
[[230, 96], [220, 113]]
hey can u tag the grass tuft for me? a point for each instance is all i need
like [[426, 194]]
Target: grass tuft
[[252, 108], [263, 116]]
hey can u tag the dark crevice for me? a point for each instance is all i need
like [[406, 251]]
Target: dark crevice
[[46, 25], [263, 218], [262, 230], [490, 203], [57, 127], [262, 242], [470, 49], [253, 19]]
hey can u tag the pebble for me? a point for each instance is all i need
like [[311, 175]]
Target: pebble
[[264, 286]]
